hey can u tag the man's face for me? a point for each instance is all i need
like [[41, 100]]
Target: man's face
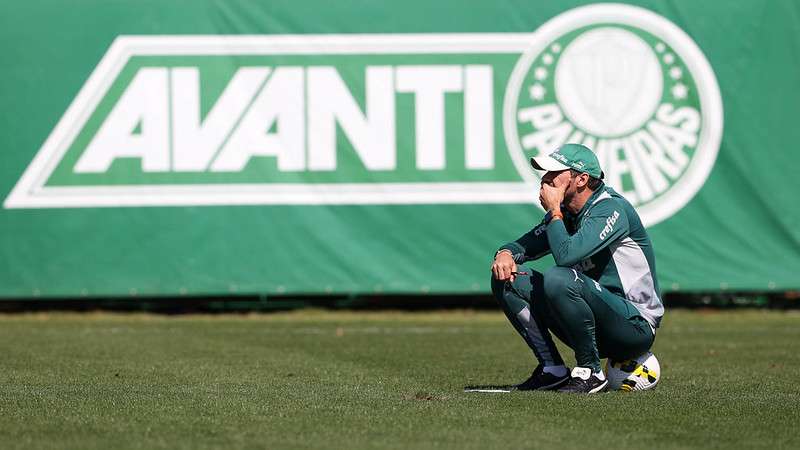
[[562, 178]]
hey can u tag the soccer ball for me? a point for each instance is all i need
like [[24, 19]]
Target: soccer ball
[[637, 374]]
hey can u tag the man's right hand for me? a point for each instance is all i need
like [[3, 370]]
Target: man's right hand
[[503, 267]]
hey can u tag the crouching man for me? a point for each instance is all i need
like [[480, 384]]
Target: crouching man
[[601, 298]]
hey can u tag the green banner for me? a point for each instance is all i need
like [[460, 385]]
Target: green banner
[[199, 148]]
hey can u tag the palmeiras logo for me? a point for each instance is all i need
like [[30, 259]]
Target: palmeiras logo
[[628, 84], [385, 118]]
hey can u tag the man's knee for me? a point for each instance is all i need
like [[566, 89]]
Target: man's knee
[[558, 280], [521, 287], [497, 287]]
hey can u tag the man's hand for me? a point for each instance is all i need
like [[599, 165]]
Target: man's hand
[[504, 267], [550, 196]]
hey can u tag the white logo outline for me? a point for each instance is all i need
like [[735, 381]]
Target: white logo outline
[[30, 190]]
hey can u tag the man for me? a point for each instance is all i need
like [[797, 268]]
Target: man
[[601, 298]]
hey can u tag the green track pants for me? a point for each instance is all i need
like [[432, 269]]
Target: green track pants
[[592, 321]]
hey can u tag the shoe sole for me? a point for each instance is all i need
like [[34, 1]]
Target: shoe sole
[[549, 387], [596, 390], [600, 388]]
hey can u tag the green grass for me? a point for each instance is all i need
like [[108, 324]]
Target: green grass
[[344, 380]]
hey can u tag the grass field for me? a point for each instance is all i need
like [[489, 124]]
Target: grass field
[[346, 380]]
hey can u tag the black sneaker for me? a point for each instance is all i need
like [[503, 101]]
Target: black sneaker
[[541, 381], [583, 381]]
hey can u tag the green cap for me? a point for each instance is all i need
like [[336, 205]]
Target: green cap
[[569, 156]]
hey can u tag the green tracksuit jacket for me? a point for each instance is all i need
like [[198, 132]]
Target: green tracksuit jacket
[[607, 242]]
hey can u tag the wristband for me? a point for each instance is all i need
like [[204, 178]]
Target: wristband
[[502, 250]]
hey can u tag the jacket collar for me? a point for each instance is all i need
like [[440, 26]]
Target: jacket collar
[[591, 201]]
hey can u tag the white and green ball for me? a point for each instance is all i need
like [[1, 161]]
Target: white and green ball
[[637, 374]]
